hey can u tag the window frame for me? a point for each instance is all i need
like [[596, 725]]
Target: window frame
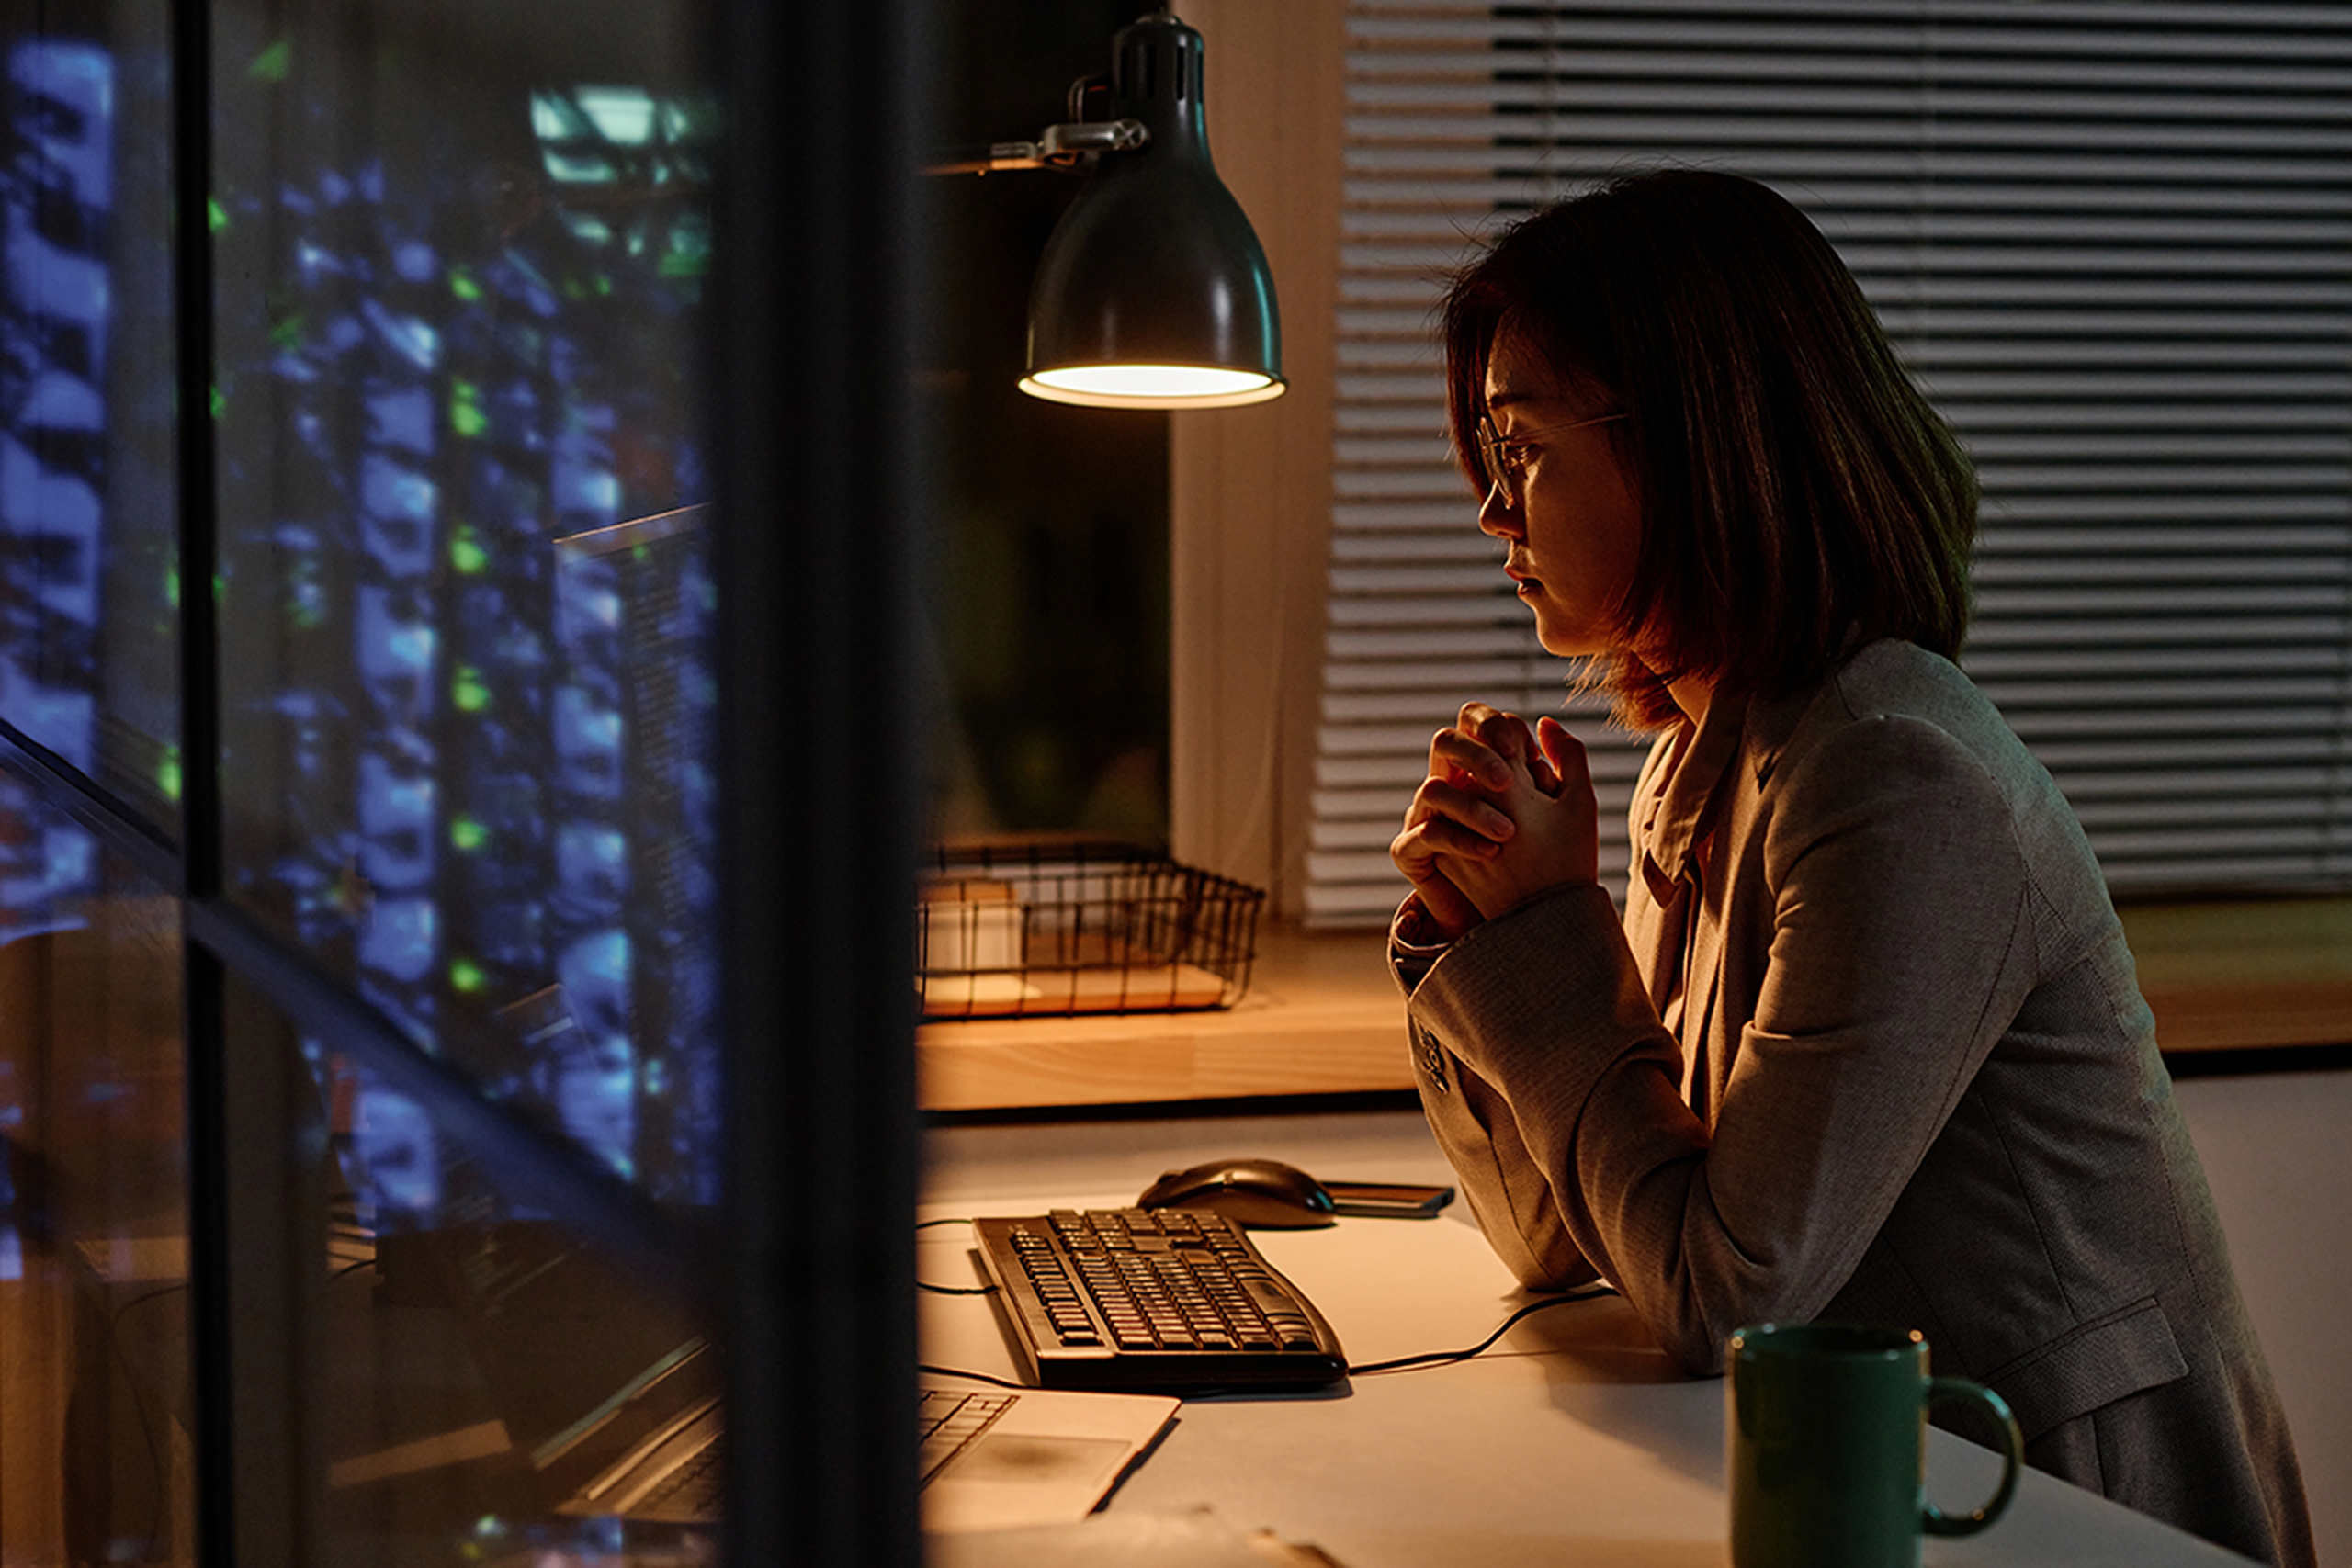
[[818, 285]]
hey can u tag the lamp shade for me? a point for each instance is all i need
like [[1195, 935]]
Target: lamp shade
[[1153, 291]]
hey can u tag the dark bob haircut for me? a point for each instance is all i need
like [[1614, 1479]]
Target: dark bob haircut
[[1799, 495]]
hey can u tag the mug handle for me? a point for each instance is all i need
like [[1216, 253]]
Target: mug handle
[[1958, 1390]]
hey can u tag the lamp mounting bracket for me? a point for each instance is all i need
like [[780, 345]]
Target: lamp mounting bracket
[[1056, 147]]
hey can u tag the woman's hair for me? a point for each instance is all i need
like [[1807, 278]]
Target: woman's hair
[[1798, 495]]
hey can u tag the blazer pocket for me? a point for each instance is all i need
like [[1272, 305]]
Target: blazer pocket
[[2093, 1364]]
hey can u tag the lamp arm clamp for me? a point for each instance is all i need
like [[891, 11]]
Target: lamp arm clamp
[[1057, 147]]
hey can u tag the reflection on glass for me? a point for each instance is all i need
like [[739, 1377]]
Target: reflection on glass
[[466, 588], [94, 1440], [88, 662], [483, 1385]]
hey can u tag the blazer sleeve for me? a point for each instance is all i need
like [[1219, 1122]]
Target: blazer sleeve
[[1899, 951], [1507, 1193]]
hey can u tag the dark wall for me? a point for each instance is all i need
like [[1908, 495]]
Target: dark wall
[[1050, 578]]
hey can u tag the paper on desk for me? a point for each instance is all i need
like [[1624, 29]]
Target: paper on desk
[[1197, 1539]]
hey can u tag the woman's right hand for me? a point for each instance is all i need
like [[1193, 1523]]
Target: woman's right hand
[[1455, 811], [1554, 840]]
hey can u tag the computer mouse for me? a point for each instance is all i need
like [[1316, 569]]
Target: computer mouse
[[1264, 1194]]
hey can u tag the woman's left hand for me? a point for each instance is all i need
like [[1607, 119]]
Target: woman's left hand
[[1556, 841]]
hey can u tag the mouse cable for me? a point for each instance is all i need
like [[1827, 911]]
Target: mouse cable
[[1401, 1364], [977, 1377], [1448, 1358], [950, 1289]]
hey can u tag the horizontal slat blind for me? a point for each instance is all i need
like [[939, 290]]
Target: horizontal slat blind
[[2113, 241]]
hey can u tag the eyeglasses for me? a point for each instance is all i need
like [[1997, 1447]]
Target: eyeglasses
[[1506, 460]]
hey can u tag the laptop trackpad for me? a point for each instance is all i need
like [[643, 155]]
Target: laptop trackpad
[[1019, 1457]]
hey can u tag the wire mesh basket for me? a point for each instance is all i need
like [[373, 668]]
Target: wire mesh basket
[[1032, 927]]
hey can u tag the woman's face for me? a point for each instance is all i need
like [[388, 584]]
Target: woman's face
[[1576, 534]]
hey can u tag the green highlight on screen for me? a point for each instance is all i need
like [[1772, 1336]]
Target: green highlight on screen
[[466, 553]]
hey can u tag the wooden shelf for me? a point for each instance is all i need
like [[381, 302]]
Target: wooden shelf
[[1323, 1017], [2223, 977]]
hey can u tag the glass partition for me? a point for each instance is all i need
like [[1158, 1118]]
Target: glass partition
[[472, 1382], [89, 583], [320, 1024], [95, 1449], [464, 534]]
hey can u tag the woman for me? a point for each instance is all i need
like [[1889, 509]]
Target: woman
[[1866, 1043]]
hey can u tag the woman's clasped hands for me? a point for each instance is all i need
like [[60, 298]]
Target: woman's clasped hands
[[1506, 813]]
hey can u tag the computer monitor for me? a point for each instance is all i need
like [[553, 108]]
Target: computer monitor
[[643, 1088]]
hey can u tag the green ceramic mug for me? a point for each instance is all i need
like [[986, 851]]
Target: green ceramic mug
[[1824, 1442]]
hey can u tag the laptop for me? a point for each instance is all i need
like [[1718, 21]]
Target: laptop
[[989, 1459], [1030, 1456], [611, 1401]]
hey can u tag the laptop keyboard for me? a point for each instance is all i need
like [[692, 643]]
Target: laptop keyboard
[[689, 1491], [946, 1423]]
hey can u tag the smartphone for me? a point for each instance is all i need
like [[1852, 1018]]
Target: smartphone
[[1387, 1199]]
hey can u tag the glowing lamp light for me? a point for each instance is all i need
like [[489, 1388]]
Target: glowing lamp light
[[1152, 385]]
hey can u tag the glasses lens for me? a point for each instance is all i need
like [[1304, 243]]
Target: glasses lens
[[1490, 447]]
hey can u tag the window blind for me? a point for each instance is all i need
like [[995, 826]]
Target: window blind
[[2113, 242]]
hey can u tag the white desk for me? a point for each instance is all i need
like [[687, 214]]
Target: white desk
[[1574, 1441]]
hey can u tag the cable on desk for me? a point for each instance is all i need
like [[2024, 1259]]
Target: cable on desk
[[1447, 1358], [950, 1289], [1401, 1364], [977, 1377]]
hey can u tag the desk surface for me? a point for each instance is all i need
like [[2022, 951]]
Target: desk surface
[[1573, 1441]]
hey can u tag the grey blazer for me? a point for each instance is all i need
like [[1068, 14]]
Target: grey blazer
[[1867, 1045]]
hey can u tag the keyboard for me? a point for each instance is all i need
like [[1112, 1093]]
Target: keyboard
[[688, 1493], [1152, 1299]]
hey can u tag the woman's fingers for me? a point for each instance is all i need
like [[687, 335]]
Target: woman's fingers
[[1452, 821], [1417, 851], [1458, 756], [1480, 746], [1563, 753]]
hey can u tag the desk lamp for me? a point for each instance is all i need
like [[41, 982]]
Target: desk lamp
[[1153, 291]]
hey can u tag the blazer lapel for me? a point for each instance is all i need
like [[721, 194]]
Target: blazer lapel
[[1685, 954]]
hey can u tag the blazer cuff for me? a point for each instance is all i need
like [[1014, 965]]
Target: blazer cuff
[[1548, 993], [1413, 945]]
